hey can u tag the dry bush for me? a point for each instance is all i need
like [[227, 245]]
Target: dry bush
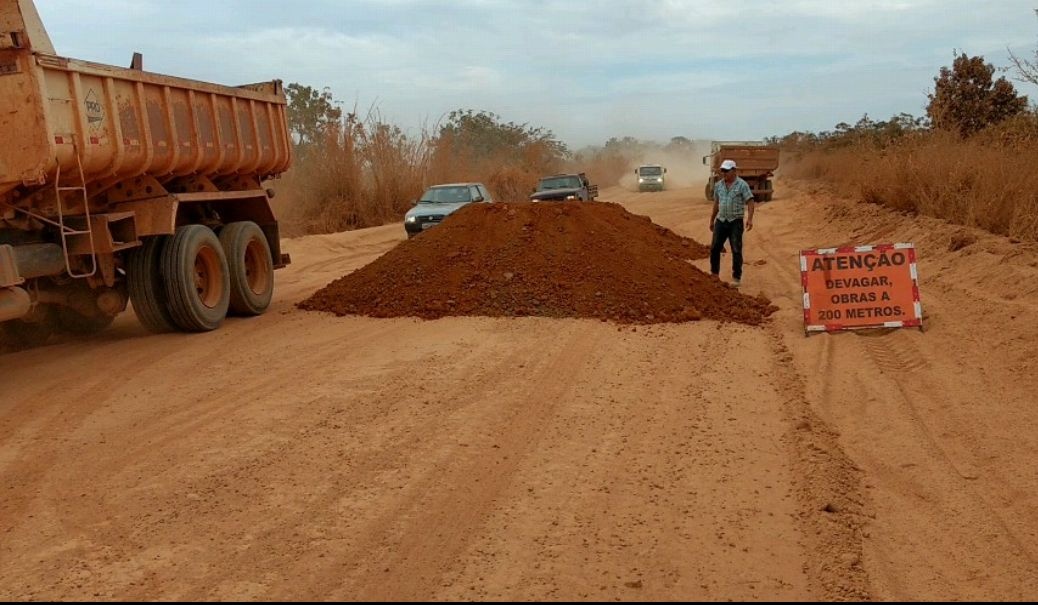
[[510, 173], [365, 172], [507, 157], [987, 181], [360, 174], [604, 168], [352, 172], [511, 183]]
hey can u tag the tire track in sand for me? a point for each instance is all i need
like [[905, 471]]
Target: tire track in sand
[[833, 508], [398, 465], [425, 545]]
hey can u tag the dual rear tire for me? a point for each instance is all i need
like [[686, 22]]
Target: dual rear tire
[[251, 268], [194, 270], [190, 281]]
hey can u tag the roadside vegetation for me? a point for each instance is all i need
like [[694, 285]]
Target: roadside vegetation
[[354, 170], [969, 160]]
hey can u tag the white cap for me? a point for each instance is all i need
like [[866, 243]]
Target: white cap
[[728, 165]]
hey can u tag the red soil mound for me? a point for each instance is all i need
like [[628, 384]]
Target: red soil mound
[[551, 260]]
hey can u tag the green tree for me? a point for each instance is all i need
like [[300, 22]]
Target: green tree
[[967, 98], [484, 134], [310, 112]]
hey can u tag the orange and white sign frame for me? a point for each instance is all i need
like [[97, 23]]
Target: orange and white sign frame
[[823, 270]]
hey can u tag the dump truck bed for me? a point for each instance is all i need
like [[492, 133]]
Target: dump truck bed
[[756, 161], [124, 123], [117, 184], [752, 160]]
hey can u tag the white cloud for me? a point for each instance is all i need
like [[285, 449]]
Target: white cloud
[[734, 69]]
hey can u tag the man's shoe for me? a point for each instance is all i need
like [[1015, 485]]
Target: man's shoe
[[736, 282]]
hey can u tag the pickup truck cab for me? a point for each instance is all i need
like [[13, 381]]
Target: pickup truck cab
[[439, 201], [565, 188], [651, 177]]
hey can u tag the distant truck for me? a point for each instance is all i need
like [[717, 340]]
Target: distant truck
[[565, 188], [651, 177], [757, 162], [121, 185]]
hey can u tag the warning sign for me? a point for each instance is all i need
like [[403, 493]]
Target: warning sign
[[862, 287]]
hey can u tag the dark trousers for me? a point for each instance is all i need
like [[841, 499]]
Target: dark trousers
[[732, 232]]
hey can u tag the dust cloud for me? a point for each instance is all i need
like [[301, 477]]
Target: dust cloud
[[685, 167]]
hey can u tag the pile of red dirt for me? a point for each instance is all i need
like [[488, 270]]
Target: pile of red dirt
[[549, 260]]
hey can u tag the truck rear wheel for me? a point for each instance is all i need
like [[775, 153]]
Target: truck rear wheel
[[147, 288], [250, 268], [709, 191], [198, 288]]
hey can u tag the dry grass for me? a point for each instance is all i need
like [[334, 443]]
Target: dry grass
[[604, 167], [510, 173], [987, 181], [369, 173], [364, 174]]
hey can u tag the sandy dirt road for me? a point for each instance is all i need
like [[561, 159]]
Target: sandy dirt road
[[301, 456]]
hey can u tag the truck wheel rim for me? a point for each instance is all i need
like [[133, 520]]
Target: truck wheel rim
[[257, 271], [208, 277]]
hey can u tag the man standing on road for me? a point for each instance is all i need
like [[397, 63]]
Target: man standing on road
[[733, 202]]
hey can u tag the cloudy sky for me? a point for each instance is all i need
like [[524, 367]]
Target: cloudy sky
[[735, 69]]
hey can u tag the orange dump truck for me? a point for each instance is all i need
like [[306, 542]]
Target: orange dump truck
[[757, 164], [121, 185]]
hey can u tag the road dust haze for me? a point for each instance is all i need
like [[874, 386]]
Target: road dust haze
[[685, 167]]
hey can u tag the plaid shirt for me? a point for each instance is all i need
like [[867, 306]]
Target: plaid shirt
[[732, 201]]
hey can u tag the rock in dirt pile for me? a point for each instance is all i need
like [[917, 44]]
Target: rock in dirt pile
[[569, 259]]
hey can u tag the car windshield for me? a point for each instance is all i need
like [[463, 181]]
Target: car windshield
[[446, 195], [650, 171], [560, 182]]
